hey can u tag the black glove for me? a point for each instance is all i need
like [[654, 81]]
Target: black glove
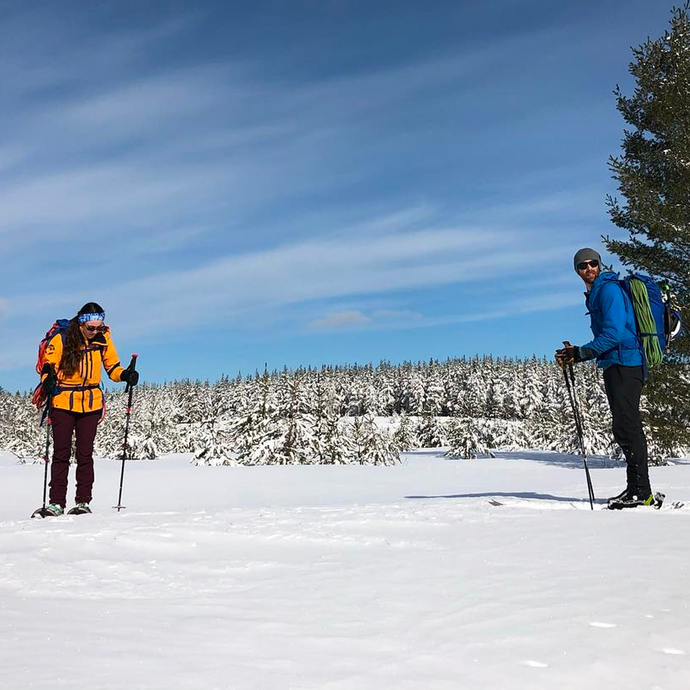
[[567, 355], [50, 382], [130, 376]]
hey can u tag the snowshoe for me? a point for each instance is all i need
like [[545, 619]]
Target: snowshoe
[[52, 510], [653, 500], [658, 500], [80, 509]]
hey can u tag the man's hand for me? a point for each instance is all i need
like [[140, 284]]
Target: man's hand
[[569, 354]]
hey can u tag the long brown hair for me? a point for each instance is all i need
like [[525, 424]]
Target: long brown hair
[[73, 341]]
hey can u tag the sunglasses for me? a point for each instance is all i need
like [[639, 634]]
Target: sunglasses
[[95, 329], [593, 263]]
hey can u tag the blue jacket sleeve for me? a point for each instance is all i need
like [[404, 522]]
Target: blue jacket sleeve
[[584, 354], [612, 318]]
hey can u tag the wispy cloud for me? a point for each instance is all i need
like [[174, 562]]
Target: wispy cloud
[[349, 262], [323, 269], [403, 320], [515, 307], [382, 256], [358, 320], [339, 320], [176, 185]]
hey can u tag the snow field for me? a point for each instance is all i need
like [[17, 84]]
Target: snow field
[[346, 577]]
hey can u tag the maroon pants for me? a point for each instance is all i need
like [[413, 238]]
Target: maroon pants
[[65, 424]]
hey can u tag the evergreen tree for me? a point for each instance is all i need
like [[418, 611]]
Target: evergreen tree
[[333, 444], [370, 445], [404, 436], [295, 443], [653, 174], [211, 444], [429, 433], [306, 416], [467, 438], [251, 432], [25, 438]]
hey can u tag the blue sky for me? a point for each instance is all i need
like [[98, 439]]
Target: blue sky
[[306, 182]]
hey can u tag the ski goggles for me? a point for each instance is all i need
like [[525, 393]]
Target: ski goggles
[[592, 263]]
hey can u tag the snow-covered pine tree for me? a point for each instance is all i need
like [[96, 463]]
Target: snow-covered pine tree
[[559, 424], [429, 432], [330, 443], [294, 441], [333, 443], [467, 438], [404, 436], [25, 438], [252, 431], [371, 445], [428, 394], [388, 398], [212, 446], [177, 416]]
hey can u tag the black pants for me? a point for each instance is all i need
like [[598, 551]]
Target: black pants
[[623, 389], [84, 426]]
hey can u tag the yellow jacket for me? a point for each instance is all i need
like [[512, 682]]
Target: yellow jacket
[[81, 392]]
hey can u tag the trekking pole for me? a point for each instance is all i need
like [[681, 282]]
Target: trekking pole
[[574, 403], [46, 458], [128, 389], [569, 375]]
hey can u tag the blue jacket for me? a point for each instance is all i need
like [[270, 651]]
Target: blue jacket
[[613, 325]]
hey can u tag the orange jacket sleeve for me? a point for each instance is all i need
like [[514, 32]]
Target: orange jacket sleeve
[[53, 353], [111, 360]]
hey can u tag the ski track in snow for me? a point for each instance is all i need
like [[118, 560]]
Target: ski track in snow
[[345, 578]]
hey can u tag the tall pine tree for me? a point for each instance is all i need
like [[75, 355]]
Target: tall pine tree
[[653, 174]]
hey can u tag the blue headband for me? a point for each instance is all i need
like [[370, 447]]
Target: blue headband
[[83, 318]]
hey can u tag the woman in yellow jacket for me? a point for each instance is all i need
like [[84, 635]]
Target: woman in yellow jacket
[[72, 381]]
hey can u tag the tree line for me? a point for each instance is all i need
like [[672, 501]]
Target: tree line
[[356, 414]]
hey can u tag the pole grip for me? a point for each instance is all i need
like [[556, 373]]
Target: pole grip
[[132, 366]]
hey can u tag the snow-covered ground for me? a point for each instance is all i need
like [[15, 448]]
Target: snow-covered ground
[[346, 578]]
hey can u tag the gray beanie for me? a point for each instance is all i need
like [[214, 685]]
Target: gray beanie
[[586, 254]]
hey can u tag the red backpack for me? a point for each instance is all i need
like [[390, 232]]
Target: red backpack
[[60, 326]]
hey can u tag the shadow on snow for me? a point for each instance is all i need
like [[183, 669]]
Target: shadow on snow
[[529, 495], [548, 457], [574, 462]]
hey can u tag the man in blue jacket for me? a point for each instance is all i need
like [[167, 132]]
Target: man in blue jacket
[[617, 350]]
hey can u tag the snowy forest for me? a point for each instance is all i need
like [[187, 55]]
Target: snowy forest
[[348, 414]]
